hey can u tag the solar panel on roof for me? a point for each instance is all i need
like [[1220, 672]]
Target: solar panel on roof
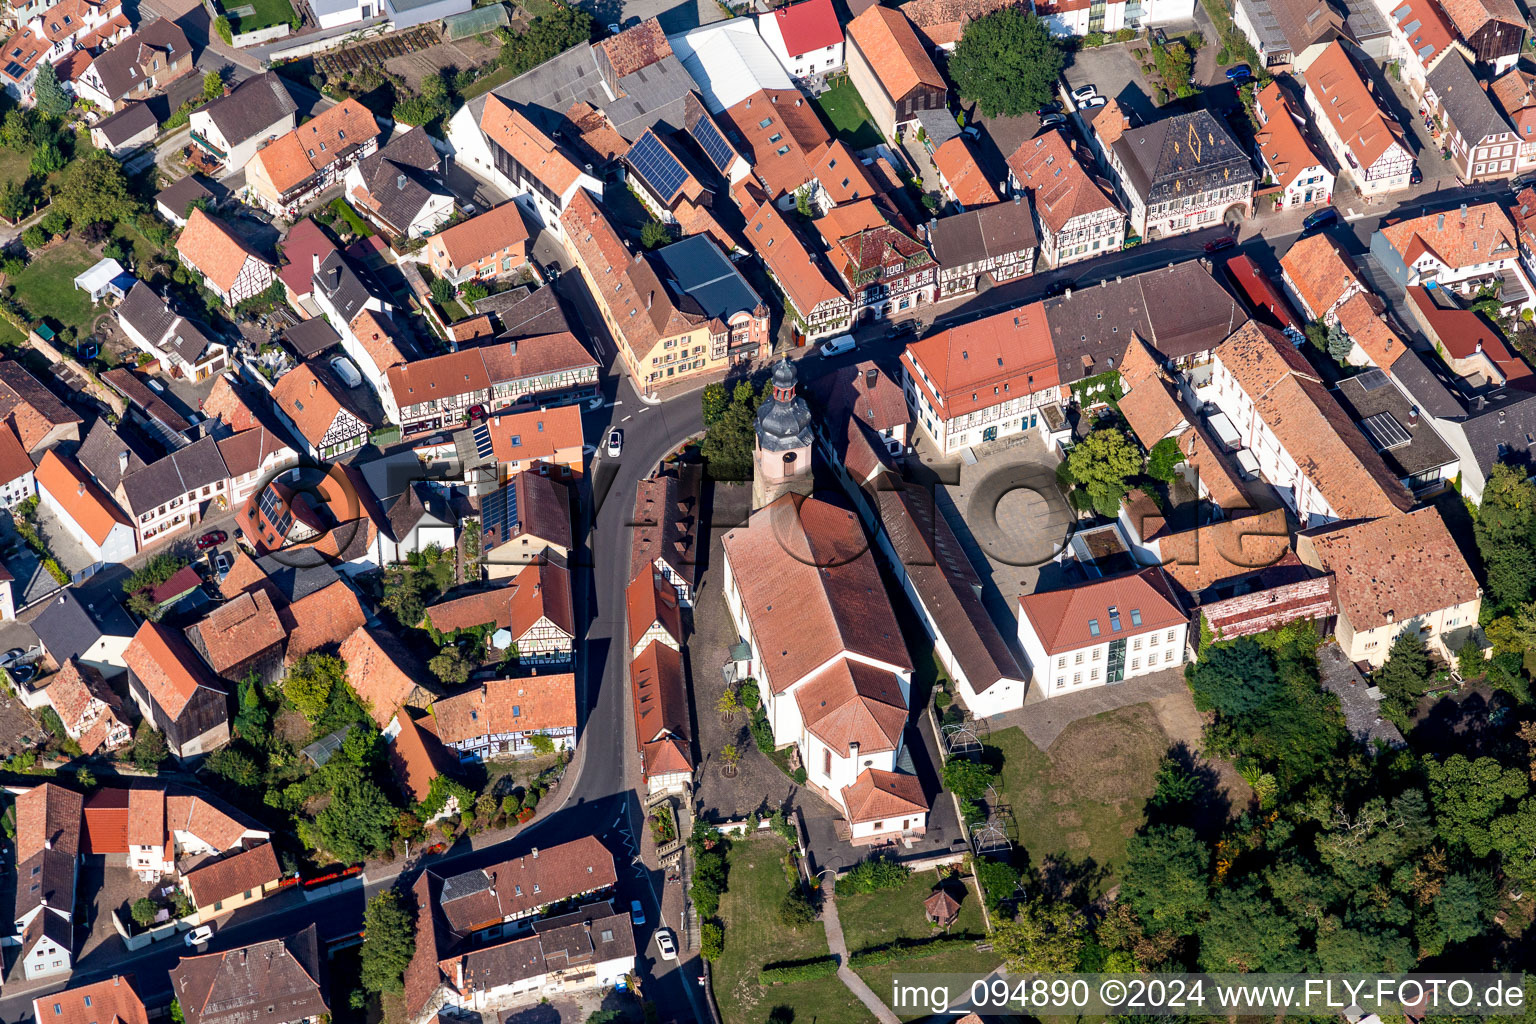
[[483, 446], [1372, 379], [498, 514], [714, 146], [1384, 431], [658, 167]]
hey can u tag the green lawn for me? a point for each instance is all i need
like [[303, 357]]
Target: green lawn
[[876, 919], [1086, 796], [267, 14], [47, 287], [15, 165], [754, 937], [849, 118]]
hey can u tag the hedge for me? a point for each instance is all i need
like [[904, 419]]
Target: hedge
[[797, 970], [897, 952]]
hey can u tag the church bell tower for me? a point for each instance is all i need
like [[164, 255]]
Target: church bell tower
[[782, 452]]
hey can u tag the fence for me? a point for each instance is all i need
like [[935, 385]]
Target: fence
[[159, 933], [261, 35]]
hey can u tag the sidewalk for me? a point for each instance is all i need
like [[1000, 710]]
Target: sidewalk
[[839, 947]]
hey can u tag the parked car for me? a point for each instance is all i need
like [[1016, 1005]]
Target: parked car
[[970, 131], [1083, 94], [12, 656], [614, 28], [155, 385], [1218, 244], [1240, 73], [476, 413], [212, 539], [666, 945], [1416, 176], [1094, 101], [222, 563], [615, 443], [837, 346], [1053, 120], [346, 371], [552, 272], [199, 935], [636, 913], [1049, 108], [1320, 218]]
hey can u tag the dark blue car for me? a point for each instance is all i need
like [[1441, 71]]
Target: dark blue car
[[1241, 73], [1320, 219]]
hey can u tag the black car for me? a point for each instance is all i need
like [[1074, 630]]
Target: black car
[[1416, 176], [1320, 219]]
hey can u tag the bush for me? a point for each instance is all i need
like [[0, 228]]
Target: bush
[[34, 237], [899, 951], [874, 874], [795, 909], [221, 26], [748, 695], [711, 940], [354, 221], [144, 910], [797, 970]]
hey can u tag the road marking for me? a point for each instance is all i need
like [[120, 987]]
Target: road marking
[[626, 418]]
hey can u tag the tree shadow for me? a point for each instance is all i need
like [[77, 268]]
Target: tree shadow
[[1069, 879], [1199, 801], [1478, 723]]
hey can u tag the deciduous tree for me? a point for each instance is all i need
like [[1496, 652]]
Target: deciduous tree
[[1006, 63], [389, 942]]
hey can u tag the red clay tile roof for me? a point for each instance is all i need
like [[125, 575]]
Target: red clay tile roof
[[1395, 568], [1465, 332], [1319, 271], [524, 704], [650, 600], [374, 668], [322, 619], [788, 145], [230, 876], [635, 48], [1327, 446], [295, 156], [1225, 549], [1061, 618], [1280, 140], [1363, 318], [1049, 167], [1337, 87], [237, 630], [810, 589], [168, 668], [82, 498], [794, 268], [47, 813], [478, 237], [942, 22], [74, 689], [886, 39], [531, 148], [986, 362], [417, 757], [850, 702], [1457, 238], [544, 434], [109, 1001], [1150, 404], [14, 461], [877, 795], [955, 161], [1468, 16], [213, 250], [308, 401], [660, 697]]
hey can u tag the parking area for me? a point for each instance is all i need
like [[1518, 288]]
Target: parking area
[[1113, 71], [674, 17]]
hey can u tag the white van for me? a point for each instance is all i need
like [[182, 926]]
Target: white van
[[837, 346], [346, 371]]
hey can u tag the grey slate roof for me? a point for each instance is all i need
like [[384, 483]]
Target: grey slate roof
[[296, 582], [18, 385], [119, 66], [179, 194], [311, 337], [128, 122], [1180, 155], [1362, 712], [525, 313], [1464, 101], [197, 465], [1433, 391], [655, 93], [1371, 396], [154, 318], [101, 453], [1091, 327], [252, 108], [68, 626], [699, 269], [342, 285], [982, 233], [402, 177]]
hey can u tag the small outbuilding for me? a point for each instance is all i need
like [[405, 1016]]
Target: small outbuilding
[[941, 908]]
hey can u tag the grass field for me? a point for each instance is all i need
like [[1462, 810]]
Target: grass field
[[754, 937], [876, 919], [15, 165], [47, 287], [850, 119], [1086, 796], [267, 14]]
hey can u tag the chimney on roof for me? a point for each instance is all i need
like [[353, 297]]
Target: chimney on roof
[[1413, 414], [47, 844], [648, 297], [871, 377], [535, 853], [1440, 222], [853, 750], [1463, 211], [1069, 293], [122, 462]]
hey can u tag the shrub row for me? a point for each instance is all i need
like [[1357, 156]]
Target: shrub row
[[900, 951], [797, 970]]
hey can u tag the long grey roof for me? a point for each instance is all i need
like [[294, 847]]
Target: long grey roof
[[128, 122], [343, 285], [1374, 404], [197, 465], [251, 108], [402, 177], [526, 314], [119, 66], [154, 318], [1465, 102], [983, 233], [101, 453], [699, 270]]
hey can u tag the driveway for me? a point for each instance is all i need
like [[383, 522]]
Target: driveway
[[1114, 72], [674, 17]]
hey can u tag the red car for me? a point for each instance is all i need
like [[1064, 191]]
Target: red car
[[1216, 245], [476, 413], [211, 540]]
